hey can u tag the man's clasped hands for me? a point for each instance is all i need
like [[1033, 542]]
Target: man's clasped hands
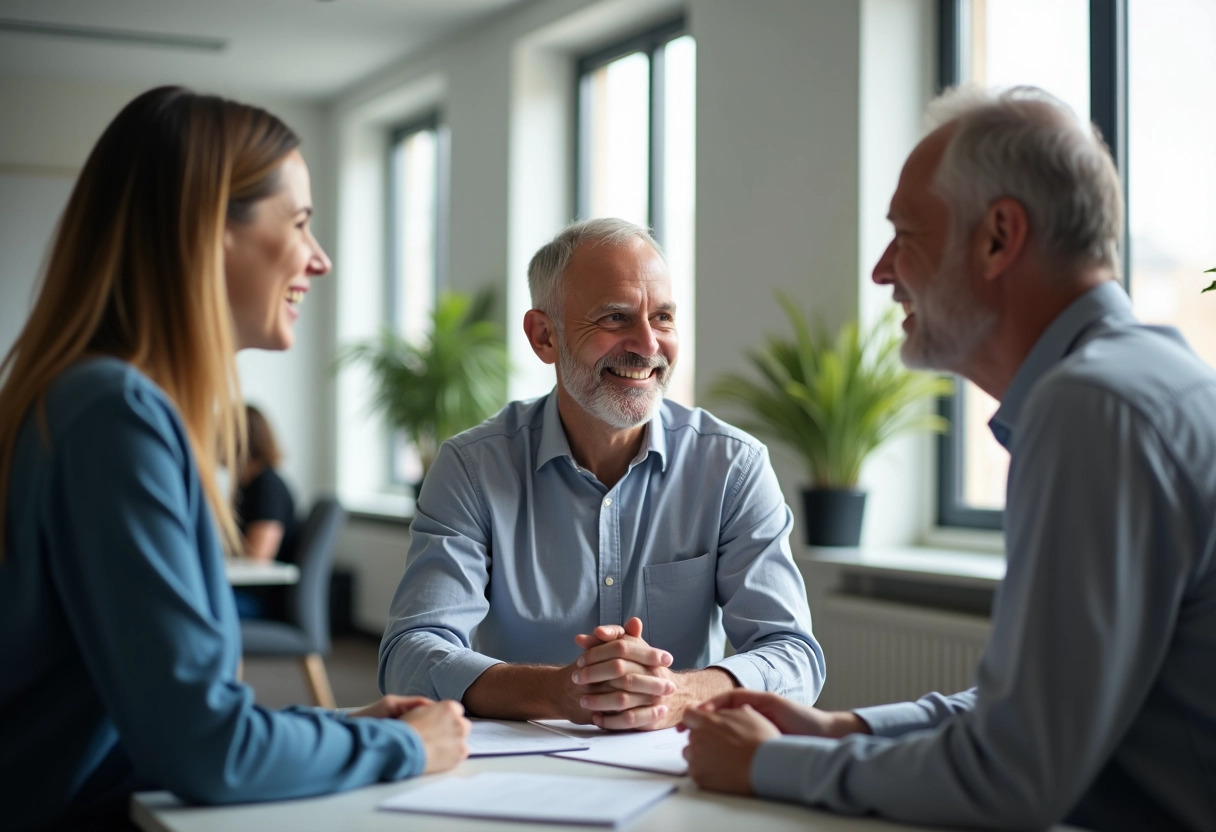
[[620, 683]]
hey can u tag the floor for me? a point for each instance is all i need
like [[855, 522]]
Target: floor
[[352, 675]]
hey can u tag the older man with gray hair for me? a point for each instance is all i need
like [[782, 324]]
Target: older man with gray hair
[[1095, 701], [583, 556]]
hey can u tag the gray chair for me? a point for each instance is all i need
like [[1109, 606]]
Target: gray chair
[[304, 629]]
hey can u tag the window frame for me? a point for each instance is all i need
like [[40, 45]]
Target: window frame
[[651, 43], [1108, 82]]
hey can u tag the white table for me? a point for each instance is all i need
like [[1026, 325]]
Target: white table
[[688, 810], [248, 572]]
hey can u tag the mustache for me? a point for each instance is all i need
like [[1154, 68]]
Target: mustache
[[632, 361]]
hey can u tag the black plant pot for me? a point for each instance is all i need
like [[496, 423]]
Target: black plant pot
[[833, 518]]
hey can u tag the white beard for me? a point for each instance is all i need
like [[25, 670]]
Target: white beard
[[950, 321], [620, 407]]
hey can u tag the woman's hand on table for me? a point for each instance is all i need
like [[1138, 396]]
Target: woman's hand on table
[[441, 725], [444, 732], [390, 707]]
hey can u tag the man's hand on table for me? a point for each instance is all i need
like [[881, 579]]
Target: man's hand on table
[[726, 731], [789, 717], [721, 747], [623, 683]]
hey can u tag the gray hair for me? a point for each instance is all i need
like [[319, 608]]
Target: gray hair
[[1025, 144], [549, 263]]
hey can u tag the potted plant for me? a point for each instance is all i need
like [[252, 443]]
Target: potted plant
[[450, 381], [833, 400]]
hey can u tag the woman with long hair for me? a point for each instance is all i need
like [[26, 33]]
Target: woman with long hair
[[185, 239]]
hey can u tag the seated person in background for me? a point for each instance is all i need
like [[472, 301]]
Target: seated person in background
[[265, 509], [546, 538], [265, 513], [186, 238], [1095, 701]]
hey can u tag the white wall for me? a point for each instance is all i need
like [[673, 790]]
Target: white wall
[[48, 131], [54, 124], [30, 200], [898, 77], [777, 169]]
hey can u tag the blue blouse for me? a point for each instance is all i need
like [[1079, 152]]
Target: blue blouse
[[119, 640]]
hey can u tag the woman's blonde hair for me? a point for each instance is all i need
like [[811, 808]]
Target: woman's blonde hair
[[136, 271]]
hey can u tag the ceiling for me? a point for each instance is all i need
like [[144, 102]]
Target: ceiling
[[308, 49]]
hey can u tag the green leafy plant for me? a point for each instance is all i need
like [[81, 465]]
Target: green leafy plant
[[1211, 285], [450, 381], [833, 399]]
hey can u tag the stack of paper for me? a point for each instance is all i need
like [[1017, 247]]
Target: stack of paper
[[536, 798], [661, 751], [491, 738]]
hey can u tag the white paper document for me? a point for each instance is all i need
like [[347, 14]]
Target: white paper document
[[661, 751], [492, 738], [538, 798]]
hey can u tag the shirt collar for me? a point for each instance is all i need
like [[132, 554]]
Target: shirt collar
[[553, 441], [1106, 300]]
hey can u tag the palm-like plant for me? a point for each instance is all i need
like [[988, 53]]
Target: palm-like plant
[[1211, 285], [833, 400], [452, 380]]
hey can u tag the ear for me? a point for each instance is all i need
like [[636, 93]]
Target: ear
[[542, 336], [1002, 237]]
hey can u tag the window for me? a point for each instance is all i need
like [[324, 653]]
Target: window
[[637, 156], [1171, 167], [1145, 73], [1080, 57], [416, 248]]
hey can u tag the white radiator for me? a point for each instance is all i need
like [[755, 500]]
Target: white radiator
[[880, 651]]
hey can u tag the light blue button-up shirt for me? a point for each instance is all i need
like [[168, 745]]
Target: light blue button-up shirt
[[516, 549], [1095, 701]]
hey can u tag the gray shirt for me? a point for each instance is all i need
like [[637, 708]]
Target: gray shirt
[[1095, 701], [515, 549]]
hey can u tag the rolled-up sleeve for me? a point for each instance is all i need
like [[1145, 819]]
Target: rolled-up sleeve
[[761, 592], [426, 649]]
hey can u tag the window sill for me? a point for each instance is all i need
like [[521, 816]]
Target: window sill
[[965, 540], [942, 567], [395, 508]]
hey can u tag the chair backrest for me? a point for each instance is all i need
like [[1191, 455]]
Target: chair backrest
[[308, 600]]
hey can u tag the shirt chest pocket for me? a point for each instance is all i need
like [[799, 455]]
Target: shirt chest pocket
[[680, 600]]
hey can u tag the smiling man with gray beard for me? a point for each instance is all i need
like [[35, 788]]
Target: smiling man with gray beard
[[586, 555]]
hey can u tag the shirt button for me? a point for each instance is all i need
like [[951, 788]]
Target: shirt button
[[607, 501], [608, 581]]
